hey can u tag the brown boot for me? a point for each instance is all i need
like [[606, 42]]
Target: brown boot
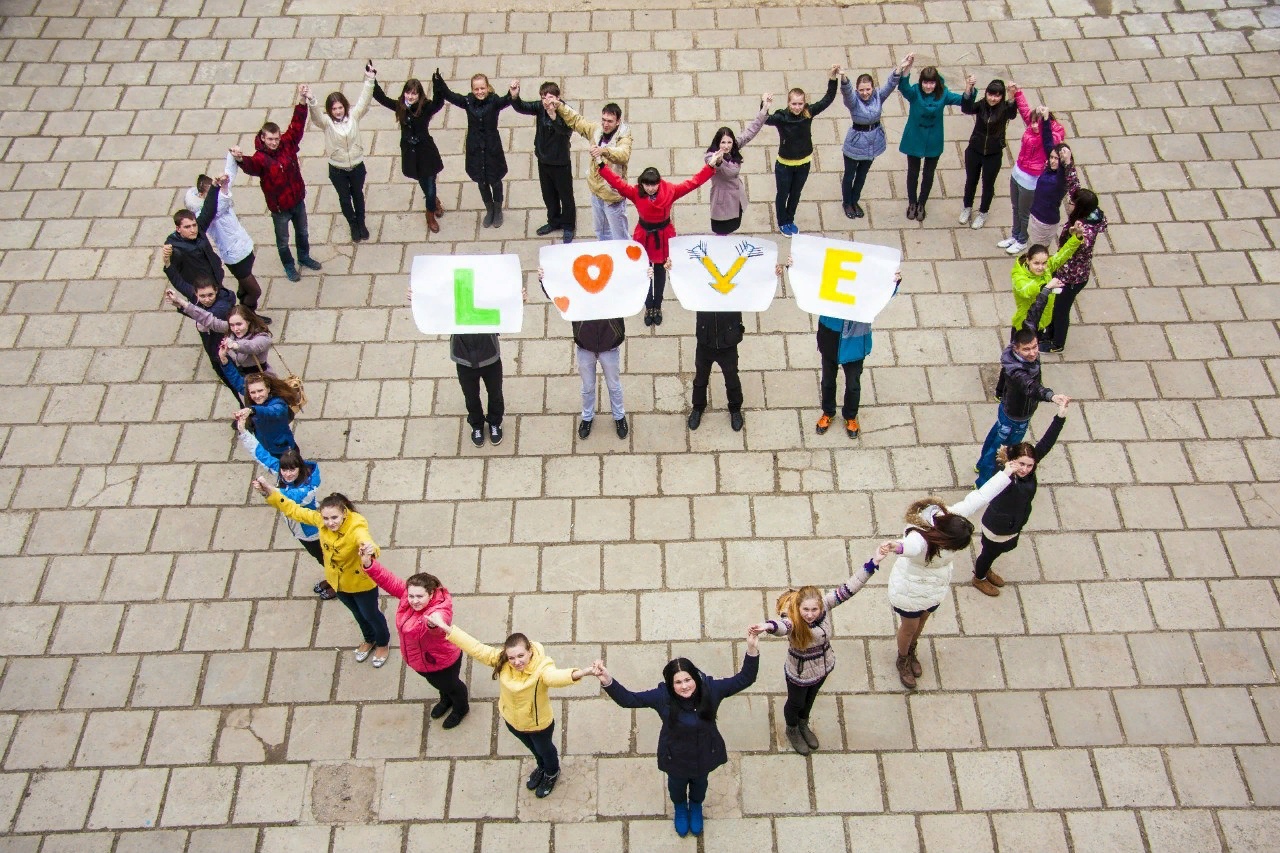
[[905, 675], [994, 578], [916, 669], [985, 586], [432, 225], [439, 211]]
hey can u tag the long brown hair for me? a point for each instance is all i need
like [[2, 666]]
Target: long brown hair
[[516, 639], [252, 320], [338, 499], [427, 581], [789, 606], [946, 532], [276, 387], [402, 111]]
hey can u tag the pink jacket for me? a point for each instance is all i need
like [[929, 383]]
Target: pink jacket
[[423, 648], [1031, 157]]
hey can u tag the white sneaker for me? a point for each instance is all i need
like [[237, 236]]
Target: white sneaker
[[1016, 248], [964, 216], [1006, 242], [979, 221]]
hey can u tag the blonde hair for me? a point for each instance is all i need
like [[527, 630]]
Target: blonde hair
[[789, 606], [485, 78], [801, 93]]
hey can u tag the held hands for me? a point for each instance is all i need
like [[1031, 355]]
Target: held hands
[[970, 82], [1077, 229], [515, 88], [236, 153], [907, 62], [240, 418], [717, 158], [304, 93], [835, 72], [1062, 409], [1065, 157], [886, 548], [366, 554], [223, 355], [1011, 88], [172, 296], [166, 255], [753, 641], [1054, 285], [224, 182], [264, 488], [370, 71], [767, 100], [596, 152], [436, 621], [1062, 400]]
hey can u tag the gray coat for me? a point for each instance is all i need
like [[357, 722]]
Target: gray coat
[[866, 144], [728, 195]]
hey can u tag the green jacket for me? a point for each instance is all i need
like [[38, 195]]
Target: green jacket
[[1027, 286]]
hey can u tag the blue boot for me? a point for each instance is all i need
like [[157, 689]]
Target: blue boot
[[695, 818], [682, 819]]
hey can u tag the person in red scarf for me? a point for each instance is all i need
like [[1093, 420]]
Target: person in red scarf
[[654, 198]]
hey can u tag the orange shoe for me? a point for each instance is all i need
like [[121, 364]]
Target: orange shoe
[[851, 427], [824, 424]]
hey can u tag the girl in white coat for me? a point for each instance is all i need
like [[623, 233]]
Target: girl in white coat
[[919, 579]]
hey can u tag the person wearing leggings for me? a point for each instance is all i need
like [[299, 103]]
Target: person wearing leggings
[[922, 139]]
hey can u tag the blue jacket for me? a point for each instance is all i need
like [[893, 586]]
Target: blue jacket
[[854, 341], [866, 144], [270, 420], [301, 492], [922, 137]]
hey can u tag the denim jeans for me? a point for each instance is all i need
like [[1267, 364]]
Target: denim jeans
[[684, 789], [298, 216], [611, 364], [790, 181], [610, 219], [428, 185], [543, 746], [364, 607], [1006, 431]]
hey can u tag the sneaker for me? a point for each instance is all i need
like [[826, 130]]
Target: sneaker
[[648, 316], [695, 818], [735, 421], [544, 230], [808, 735], [695, 419], [964, 216], [495, 434], [1055, 348], [442, 707], [568, 235], [535, 778], [477, 437], [797, 742], [620, 424], [1016, 248], [1006, 242], [848, 212], [905, 675], [979, 221], [858, 212], [547, 785], [851, 428], [584, 429], [682, 819], [310, 263], [453, 719], [824, 424], [291, 273], [782, 229]]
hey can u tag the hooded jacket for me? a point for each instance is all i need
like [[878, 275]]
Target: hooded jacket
[[616, 152], [523, 698], [989, 123], [486, 162], [419, 156], [795, 132], [922, 137], [859, 143], [219, 311], [1076, 271], [653, 227], [1009, 511], [224, 228], [343, 144], [1023, 392], [599, 335], [342, 568], [728, 193], [301, 492], [423, 647], [278, 171], [1027, 286], [476, 350], [250, 352]]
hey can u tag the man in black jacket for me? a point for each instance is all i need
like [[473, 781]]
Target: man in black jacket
[[551, 148], [718, 334], [479, 358], [208, 294]]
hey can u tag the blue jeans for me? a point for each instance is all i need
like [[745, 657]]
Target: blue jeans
[[298, 216], [364, 607], [790, 181], [428, 185], [1006, 431], [543, 746], [687, 790]]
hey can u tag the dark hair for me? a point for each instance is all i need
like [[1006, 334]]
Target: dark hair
[[1022, 337], [996, 87], [203, 183], [337, 499], [336, 98], [650, 175], [1084, 202], [735, 154], [1032, 250], [203, 282], [946, 531], [548, 87], [930, 72], [516, 639], [428, 582], [415, 85], [269, 127], [291, 458], [865, 77], [612, 109], [181, 216], [702, 701], [256, 326], [1016, 451]]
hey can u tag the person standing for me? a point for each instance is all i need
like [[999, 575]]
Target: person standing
[[486, 162], [795, 149], [269, 401], [1035, 271], [479, 358], [844, 345], [275, 163], [1074, 274], [243, 335], [865, 140], [718, 334], [344, 147], [728, 193], [551, 137], [419, 156], [220, 223], [610, 143], [1051, 189], [1026, 171], [985, 152], [922, 139]]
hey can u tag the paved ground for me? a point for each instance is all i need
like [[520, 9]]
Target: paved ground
[[170, 683]]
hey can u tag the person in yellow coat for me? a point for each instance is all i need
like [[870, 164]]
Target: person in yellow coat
[[342, 532], [525, 675]]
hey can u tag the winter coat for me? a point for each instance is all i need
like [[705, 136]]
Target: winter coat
[[688, 746], [250, 351], [486, 162], [653, 226], [1026, 286], [795, 132], [523, 698], [616, 152], [342, 564], [219, 311], [719, 329], [343, 144], [916, 585], [301, 492], [224, 228], [551, 134], [478, 350], [599, 335], [989, 123], [808, 666], [728, 193], [844, 341], [270, 419], [1051, 186], [1031, 156], [1075, 272], [861, 143], [1008, 512], [279, 172], [423, 647], [922, 137], [419, 156], [1023, 392], [196, 259]]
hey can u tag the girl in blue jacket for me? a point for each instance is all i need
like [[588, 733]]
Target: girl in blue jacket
[[843, 344], [865, 140], [296, 478], [922, 137], [269, 400]]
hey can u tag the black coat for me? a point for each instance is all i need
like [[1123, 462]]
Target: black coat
[[599, 335], [486, 162], [1008, 511], [689, 746], [552, 135], [719, 329], [419, 156], [989, 122], [195, 259]]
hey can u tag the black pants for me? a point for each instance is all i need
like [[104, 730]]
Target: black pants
[[350, 186], [248, 291], [987, 556], [685, 789], [855, 176], [727, 357], [490, 193], [452, 689], [852, 388], [790, 181], [469, 378], [800, 702], [1057, 331], [557, 195], [314, 549], [913, 176], [543, 746], [726, 226], [986, 166], [657, 287]]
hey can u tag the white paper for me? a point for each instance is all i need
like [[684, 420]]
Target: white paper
[[595, 281], [850, 281], [724, 273], [467, 294]]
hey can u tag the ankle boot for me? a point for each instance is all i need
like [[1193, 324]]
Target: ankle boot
[[797, 741], [916, 669], [808, 735], [488, 216], [432, 225], [439, 211], [905, 675], [497, 205]]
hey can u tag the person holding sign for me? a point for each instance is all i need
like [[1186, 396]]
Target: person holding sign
[[844, 344], [654, 198], [922, 139], [795, 149], [344, 147], [728, 193], [486, 161], [551, 149], [419, 156], [865, 140], [610, 143]]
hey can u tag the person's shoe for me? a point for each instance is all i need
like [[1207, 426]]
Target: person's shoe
[[858, 212], [916, 669], [453, 719], [1006, 242], [364, 231], [851, 428], [495, 434], [824, 424], [547, 785], [808, 735], [620, 424], [326, 592], [432, 225], [362, 655], [782, 229], [978, 221], [695, 818], [1016, 248], [267, 320], [310, 263], [379, 661], [985, 586], [477, 437], [584, 428], [544, 230], [911, 211], [735, 421], [355, 232], [568, 235], [994, 578], [439, 211], [963, 219], [796, 740], [497, 223], [1051, 348], [695, 419], [487, 222], [920, 212], [657, 316], [442, 707], [682, 819], [535, 778], [648, 316], [291, 273], [905, 675], [848, 212]]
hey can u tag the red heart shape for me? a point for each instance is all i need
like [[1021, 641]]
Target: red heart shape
[[582, 272], [562, 302]]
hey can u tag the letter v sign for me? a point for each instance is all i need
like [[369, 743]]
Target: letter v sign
[[723, 283], [464, 302]]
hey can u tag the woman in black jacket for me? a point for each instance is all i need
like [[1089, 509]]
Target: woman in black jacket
[[985, 153], [689, 745], [1008, 512], [795, 148], [419, 157], [486, 162]]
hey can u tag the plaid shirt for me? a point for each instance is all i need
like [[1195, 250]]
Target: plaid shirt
[[278, 170]]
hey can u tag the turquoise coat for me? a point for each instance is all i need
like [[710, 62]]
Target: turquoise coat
[[922, 137]]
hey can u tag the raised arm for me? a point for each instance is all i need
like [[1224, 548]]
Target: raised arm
[[757, 124], [624, 698], [1024, 108], [683, 188], [890, 84], [361, 105], [382, 97], [577, 123], [1050, 437], [233, 374], [318, 116], [623, 188], [745, 677], [442, 89], [250, 443], [208, 210], [977, 500], [1046, 137], [390, 582], [908, 91], [289, 509], [827, 100], [1063, 254], [297, 126]]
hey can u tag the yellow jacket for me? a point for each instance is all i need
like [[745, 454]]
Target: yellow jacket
[[617, 153], [522, 696], [342, 567]]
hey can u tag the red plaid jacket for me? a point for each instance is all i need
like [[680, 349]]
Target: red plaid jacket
[[278, 170]]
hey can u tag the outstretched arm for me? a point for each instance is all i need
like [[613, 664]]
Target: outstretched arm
[[683, 188]]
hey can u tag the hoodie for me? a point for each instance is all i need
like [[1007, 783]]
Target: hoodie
[[523, 698]]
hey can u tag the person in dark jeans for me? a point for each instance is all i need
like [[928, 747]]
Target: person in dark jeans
[[795, 148], [551, 149], [985, 152], [718, 334], [479, 360], [843, 344]]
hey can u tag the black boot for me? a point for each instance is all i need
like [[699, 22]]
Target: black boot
[[497, 206]]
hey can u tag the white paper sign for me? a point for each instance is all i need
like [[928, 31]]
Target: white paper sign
[[851, 281], [461, 294], [595, 281], [729, 273]]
